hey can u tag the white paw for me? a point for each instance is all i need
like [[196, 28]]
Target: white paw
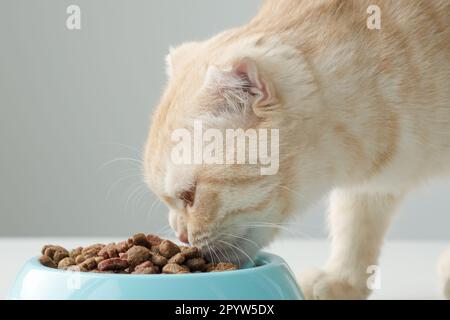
[[319, 285]]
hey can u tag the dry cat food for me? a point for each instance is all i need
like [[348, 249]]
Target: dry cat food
[[140, 254]]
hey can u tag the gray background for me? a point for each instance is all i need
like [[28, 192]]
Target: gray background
[[73, 101]]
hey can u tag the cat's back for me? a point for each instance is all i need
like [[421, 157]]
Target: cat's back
[[401, 70], [301, 20]]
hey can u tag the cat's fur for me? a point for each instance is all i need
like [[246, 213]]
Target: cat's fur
[[362, 113]]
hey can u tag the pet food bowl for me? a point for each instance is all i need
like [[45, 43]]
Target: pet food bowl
[[270, 279]]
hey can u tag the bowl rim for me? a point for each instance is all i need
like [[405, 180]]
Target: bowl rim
[[265, 262]]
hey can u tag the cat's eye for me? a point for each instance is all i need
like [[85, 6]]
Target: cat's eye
[[188, 197]]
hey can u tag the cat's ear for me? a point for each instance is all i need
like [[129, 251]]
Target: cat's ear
[[180, 55], [244, 78]]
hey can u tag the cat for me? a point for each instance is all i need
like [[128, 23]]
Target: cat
[[363, 115]]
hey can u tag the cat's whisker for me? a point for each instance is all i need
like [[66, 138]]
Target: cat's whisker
[[265, 226], [117, 182], [231, 250], [215, 253], [143, 200], [226, 255], [132, 160], [295, 233], [222, 254], [166, 231], [135, 188], [129, 147], [210, 252], [289, 224], [150, 211], [163, 228], [234, 253], [243, 238], [135, 200], [245, 253], [292, 190]]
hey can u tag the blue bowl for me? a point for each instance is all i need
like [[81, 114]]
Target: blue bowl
[[271, 279]]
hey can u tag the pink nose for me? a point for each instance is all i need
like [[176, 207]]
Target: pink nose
[[183, 237]]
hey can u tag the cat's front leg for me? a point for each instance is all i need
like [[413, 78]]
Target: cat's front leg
[[358, 222]]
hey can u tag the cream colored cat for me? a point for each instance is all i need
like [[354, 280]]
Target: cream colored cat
[[363, 114]]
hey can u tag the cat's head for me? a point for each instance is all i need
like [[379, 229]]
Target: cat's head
[[229, 210]]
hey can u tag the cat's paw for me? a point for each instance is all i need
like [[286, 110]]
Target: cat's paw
[[319, 285], [444, 272]]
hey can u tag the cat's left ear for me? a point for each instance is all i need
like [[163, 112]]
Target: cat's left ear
[[244, 77]]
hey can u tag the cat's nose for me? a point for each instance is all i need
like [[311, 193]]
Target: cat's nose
[[183, 237]]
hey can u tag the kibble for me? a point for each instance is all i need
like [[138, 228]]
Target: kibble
[[47, 261], [159, 260], [146, 267], [168, 249], [223, 266], [136, 255], [113, 264], [139, 254], [75, 252], [190, 252], [66, 262], [109, 251], [140, 239], [196, 264], [179, 258], [154, 240], [173, 268], [89, 264]]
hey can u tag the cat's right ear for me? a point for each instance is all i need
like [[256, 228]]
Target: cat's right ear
[[244, 82]]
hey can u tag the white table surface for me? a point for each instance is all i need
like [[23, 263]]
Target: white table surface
[[408, 268]]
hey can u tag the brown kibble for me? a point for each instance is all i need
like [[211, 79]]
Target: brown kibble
[[66, 262], [140, 239], [75, 252], [146, 267], [148, 270], [80, 258], [158, 260], [173, 268], [196, 264], [109, 251], [179, 258], [155, 249], [210, 267], [123, 255], [56, 253], [144, 264], [92, 250], [224, 266], [113, 264], [99, 259], [47, 261], [122, 246], [190, 252], [154, 240], [136, 255], [168, 249], [59, 255], [89, 264], [53, 248], [140, 254]]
